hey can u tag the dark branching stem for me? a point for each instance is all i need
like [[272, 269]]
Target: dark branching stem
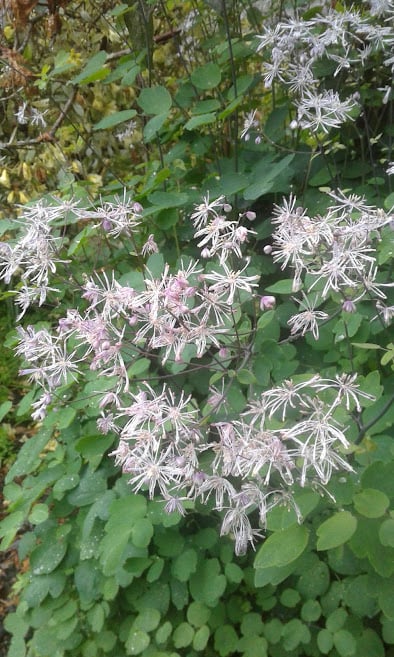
[[366, 427]]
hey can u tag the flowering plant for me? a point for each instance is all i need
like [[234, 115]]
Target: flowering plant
[[143, 338]]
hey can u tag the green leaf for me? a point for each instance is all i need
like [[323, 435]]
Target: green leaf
[[294, 633], [252, 624], [253, 646], [290, 598], [163, 632], [39, 514], [281, 287], [325, 641], [336, 619], [140, 365], [91, 486], [371, 503], [233, 573], [207, 76], [366, 543], [94, 70], [47, 556], [274, 575], [169, 543], [96, 617], [114, 119], [201, 119], [246, 377], [183, 635], [207, 584], [231, 183], [153, 126], [155, 571], [5, 407], [29, 454], [201, 637], [266, 182], [142, 532], [9, 527], [80, 240], [314, 581], [184, 565], [360, 595], [168, 199], [92, 449], [369, 644], [322, 176], [147, 620], [226, 640], [61, 418], [386, 532], [198, 614], [282, 517], [283, 547], [206, 106], [336, 530], [265, 319], [155, 100], [311, 611], [388, 630], [379, 476], [389, 201], [386, 598], [137, 641], [345, 643]]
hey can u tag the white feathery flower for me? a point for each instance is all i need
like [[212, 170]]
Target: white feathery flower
[[307, 320], [229, 281]]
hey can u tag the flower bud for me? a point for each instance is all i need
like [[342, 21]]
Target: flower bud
[[250, 215], [106, 224], [349, 306], [267, 302], [267, 249], [137, 207]]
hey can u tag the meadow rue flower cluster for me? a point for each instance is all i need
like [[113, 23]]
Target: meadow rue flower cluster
[[334, 253], [292, 49], [179, 445]]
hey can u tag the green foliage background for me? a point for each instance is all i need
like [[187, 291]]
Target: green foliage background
[[109, 572]]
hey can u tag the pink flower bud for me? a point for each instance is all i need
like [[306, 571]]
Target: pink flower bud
[[349, 306], [267, 249], [106, 224], [137, 208], [250, 215], [267, 303]]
